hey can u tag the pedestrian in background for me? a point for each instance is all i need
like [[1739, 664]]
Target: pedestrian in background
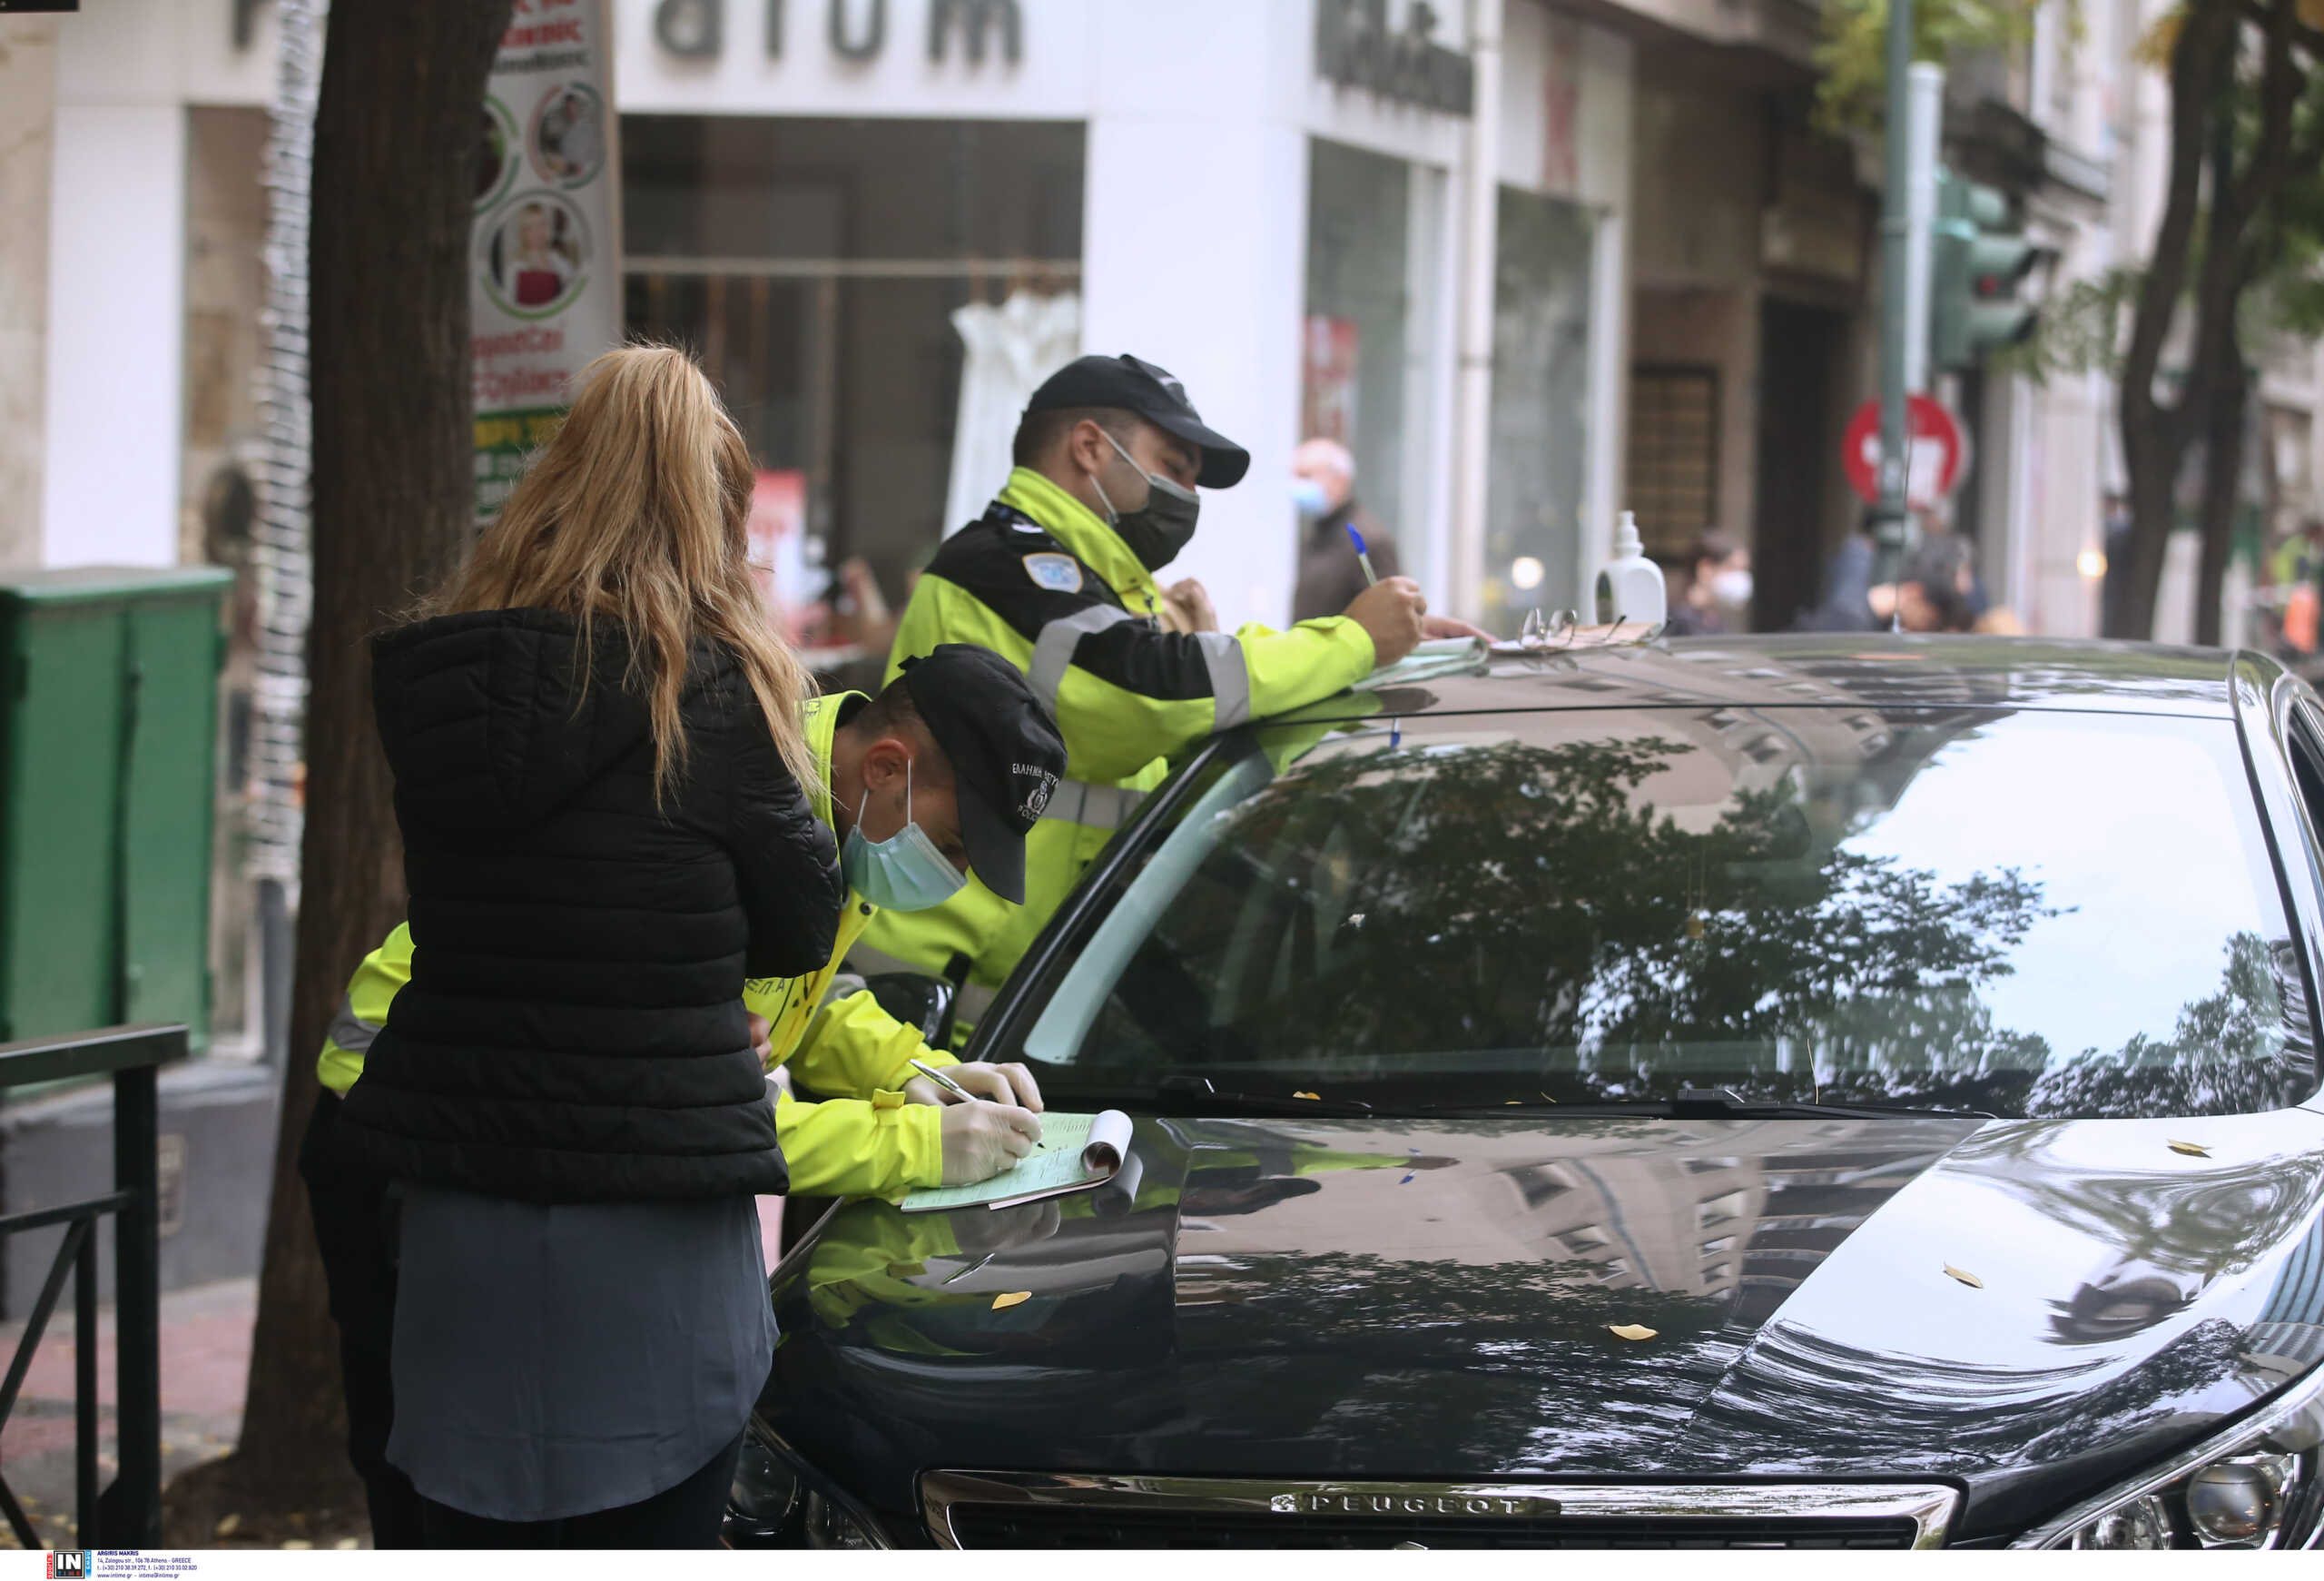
[[599, 768], [1716, 600], [1322, 489]]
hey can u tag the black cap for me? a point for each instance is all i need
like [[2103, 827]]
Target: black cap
[[1006, 753], [1153, 393]]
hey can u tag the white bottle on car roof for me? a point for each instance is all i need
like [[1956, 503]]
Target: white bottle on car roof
[[1630, 587]]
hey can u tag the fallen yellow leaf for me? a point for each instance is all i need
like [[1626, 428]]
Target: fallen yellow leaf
[[1972, 1280], [1631, 1331], [349, 1543], [297, 1543], [1316, 1097], [2194, 1150], [1010, 1299], [228, 1525]]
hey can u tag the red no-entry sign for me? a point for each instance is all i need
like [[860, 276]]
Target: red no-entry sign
[[1936, 452]]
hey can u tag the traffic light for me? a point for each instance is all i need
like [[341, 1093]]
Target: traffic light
[[1979, 264]]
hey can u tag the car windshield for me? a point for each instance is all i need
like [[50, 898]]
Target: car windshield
[[2025, 913]]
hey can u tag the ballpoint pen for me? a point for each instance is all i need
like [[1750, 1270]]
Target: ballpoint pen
[[1370, 577], [945, 1082]]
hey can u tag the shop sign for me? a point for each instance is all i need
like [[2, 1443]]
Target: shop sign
[[856, 30], [1355, 48], [544, 280]]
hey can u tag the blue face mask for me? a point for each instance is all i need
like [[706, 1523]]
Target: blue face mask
[[904, 872], [1308, 496]]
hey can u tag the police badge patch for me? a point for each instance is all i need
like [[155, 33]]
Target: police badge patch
[[1036, 800], [1058, 573]]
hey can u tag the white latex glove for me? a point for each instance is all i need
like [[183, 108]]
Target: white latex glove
[[981, 1140], [1009, 1083]]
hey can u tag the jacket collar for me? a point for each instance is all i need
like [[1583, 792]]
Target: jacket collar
[[821, 718], [1085, 536]]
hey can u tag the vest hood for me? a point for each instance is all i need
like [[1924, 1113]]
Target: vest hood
[[484, 720]]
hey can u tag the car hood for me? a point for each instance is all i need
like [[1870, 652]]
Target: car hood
[[2027, 1309]]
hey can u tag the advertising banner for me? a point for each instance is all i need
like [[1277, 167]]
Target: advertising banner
[[545, 261]]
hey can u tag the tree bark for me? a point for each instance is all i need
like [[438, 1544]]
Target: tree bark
[[2155, 436], [2238, 213], [2223, 475], [396, 147]]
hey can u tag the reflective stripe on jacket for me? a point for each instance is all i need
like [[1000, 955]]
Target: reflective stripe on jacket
[[838, 1041], [1053, 589]]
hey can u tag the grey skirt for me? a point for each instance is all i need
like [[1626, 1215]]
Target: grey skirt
[[550, 1363]]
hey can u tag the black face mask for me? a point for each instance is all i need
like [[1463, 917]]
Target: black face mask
[[1157, 530]]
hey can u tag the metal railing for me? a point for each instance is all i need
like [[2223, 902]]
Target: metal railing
[[127, 1514]]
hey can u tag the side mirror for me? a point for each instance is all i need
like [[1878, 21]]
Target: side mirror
[[915, 1000]]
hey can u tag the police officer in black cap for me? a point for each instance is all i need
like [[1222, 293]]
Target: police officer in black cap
[[1059, 577]]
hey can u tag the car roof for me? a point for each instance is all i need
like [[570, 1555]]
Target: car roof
[[1881, 672]]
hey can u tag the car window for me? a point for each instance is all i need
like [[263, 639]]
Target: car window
[[2027, 913], [2307, 764]]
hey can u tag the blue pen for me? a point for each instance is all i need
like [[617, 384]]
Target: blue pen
[[1370, 577]]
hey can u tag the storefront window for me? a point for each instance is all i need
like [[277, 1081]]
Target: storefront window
[[1361, 333], [1540, 399], [815, 265]]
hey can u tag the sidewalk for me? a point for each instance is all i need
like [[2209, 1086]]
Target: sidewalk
[[205, 1364]]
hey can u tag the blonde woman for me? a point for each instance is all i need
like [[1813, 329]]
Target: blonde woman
[[598, 760]]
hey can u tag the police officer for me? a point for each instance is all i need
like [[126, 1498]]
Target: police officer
[[940, 776], [1059, 577]]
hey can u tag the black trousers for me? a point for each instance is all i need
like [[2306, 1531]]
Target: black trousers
[[353, 1228], [688, 1516]]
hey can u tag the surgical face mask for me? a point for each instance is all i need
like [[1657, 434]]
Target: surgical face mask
[[904, 872], [1308, 496], [1157, 530], [1731, 588]]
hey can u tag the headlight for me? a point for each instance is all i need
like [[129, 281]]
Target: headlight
[[829, 1524], [779, 1500], [2258, 1485], [764, 1499]]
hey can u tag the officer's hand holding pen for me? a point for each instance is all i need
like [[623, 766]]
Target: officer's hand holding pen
[[982, 1139], [1009, 1084]]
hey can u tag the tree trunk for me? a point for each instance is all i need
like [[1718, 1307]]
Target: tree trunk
[[395, 153], [2155, 436], [2239, 212], [2223, 477], [2154, 461]]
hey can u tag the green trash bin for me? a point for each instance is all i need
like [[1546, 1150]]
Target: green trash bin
[[108, 735]]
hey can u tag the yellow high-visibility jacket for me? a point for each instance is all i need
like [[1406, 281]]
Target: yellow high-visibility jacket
[[1048, 586], [865, 1141]]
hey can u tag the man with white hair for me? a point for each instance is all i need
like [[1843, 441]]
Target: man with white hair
[[1322, 485]]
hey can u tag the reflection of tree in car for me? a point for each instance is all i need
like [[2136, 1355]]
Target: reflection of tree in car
[[2188, 1218], [1810, 1397], [2228, 1055], [1489, 923], [1514, 1361], [1518, 909]]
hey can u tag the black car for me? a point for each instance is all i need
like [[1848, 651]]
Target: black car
[[1852, 1093]]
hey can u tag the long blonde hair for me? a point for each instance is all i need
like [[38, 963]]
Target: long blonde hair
[[636, 512]]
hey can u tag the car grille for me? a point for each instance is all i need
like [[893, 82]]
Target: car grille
[[1005, 1509], [1034, 1526]]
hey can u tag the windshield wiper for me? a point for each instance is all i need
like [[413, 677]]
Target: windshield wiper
[[1720, 1103], [1197, 1095]]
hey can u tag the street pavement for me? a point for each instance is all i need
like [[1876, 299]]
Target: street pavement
[[205, 1361], [205, 1364]]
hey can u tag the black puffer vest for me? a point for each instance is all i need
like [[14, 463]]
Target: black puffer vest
[[574, 1029]]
